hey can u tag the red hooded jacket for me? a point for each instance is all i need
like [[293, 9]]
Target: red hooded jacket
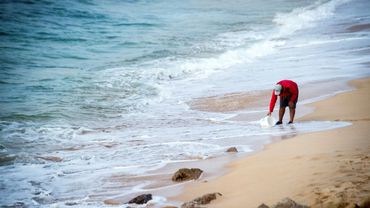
[[289, 88]]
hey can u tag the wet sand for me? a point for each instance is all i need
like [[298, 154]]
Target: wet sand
[[317, 169]]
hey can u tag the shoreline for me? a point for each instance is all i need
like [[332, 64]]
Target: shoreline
[[196, 189], [249, 109]]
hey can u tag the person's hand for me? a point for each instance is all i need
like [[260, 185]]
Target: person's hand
[[269, 113]]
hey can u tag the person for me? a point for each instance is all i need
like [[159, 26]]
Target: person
[[288, 92]]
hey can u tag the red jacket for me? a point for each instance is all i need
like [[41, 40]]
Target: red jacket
[[289, 88]]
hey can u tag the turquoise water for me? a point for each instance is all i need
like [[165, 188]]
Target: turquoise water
[[84, 75], [79, 60], [58, 57]]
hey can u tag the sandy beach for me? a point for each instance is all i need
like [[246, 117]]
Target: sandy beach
[[322, 169]]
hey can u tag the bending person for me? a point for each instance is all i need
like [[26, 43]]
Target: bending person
[[288, 92]]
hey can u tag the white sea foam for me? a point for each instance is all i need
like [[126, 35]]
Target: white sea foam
[[306, 17], [241, 51], [287, 24]]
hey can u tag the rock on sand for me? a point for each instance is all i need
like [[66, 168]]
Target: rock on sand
[[185, 174]]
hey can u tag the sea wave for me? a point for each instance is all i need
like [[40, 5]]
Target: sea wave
[[306, 17], [236, 48]]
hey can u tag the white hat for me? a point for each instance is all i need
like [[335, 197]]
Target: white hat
[[277, 89]]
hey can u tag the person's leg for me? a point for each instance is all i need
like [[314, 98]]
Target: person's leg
[[281, 114], [292, 113], [292, 106], [283, 105]]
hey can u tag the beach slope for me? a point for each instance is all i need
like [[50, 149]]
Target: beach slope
[[317, 169]]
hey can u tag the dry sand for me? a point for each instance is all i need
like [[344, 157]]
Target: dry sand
[[316, 169]]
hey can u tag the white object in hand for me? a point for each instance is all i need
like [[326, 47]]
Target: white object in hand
[[267, 121]]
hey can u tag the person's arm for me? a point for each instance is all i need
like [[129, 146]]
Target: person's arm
[[272, 102]]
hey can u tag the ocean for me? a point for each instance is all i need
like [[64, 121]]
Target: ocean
[[93, 89]]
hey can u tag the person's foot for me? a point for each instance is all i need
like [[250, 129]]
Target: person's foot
[[290, 122], [279, 123]]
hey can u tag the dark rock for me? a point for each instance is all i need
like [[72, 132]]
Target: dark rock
[[263, 206], [232, 149], [366, 203], [7, 159], [185, 174], [142, 199], [353, 205], [288, 203], [205, 199], [71, 203]]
